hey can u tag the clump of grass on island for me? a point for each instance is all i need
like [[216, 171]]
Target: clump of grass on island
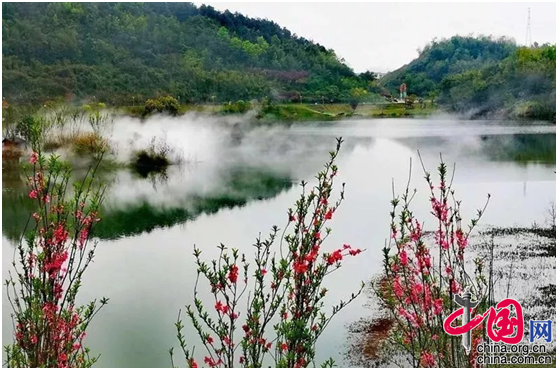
[[89, 144], [153, 159]]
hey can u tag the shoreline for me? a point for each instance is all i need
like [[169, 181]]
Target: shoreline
[[524, 260]]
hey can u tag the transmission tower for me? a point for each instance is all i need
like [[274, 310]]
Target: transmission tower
[[528, 34]]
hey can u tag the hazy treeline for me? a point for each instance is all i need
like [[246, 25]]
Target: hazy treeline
[[125, 53], [483, 75]]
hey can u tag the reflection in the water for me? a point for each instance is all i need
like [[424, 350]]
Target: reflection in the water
[[239, 186], [522, 148]]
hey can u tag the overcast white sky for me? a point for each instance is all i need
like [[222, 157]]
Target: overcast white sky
[[384, 36]]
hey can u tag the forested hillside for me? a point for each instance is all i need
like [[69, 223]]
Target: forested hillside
[[124, 53], [522, 85], [483, 76]]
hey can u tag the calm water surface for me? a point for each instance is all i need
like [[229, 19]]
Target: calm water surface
[[235, 189]]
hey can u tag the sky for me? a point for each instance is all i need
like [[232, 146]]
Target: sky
[[382, 37]]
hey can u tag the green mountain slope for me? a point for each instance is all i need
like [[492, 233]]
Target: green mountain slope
[[442, 58], [482, 76], [123, 53]]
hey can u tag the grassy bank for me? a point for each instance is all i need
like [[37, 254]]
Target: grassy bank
[[302, 112]]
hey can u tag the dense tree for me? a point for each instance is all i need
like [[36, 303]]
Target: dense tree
[[523, 85], [123, 53], [483, 76], [442, 58]]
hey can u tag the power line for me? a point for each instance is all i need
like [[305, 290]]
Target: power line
[[528, 34]]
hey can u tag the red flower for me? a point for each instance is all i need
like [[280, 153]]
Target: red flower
[[354, 252], [300, 267], [233, 274], [220, 307], [192, 363], [228, 341], [245, 328], [284, 347], [209, 339], [317, 236], [33, 194], [264, 271], [329, 214], [292, 218], [334, 257]]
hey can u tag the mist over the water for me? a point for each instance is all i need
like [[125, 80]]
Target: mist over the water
[[206, 148]]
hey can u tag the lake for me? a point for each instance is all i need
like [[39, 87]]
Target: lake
[[230, 190]]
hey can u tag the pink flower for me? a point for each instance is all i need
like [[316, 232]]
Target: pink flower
[[263, 271], [354, 252], [461, 239], [33, 194], [455, 287], [403, 258], [397, 288], [60, 235], [417, 232], [438, 306], [317, 236], [448, 270], [427, 359], [34, 158], [192, 363], [329, 215], [83, 235]]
